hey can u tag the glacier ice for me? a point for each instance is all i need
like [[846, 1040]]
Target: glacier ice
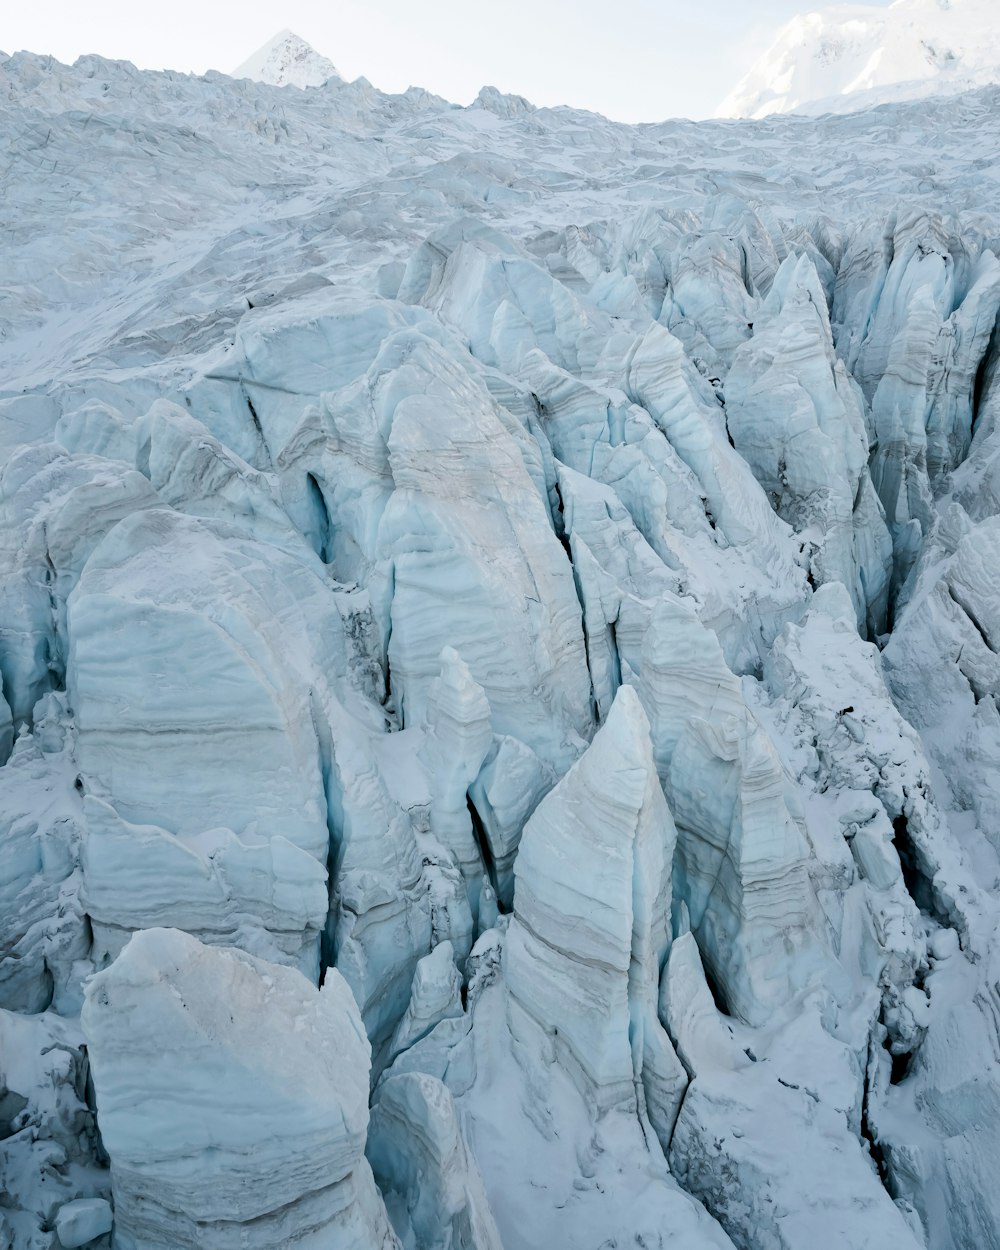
[[264, 1140], [783, 1139], [420, 1160], [797, 418], [498, 633], [44, 944], [581, 965]]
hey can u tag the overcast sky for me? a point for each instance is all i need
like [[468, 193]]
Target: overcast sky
[[633, 60]]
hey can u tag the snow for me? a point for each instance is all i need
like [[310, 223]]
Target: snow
[[534, 578], [852, 56], [287, 61], [83, 1221]]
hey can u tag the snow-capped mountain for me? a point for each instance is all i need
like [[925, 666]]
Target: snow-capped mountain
[[853, 56], [287, 61], [499, 631]]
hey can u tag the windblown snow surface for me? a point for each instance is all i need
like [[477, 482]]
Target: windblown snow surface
[[537, 580]]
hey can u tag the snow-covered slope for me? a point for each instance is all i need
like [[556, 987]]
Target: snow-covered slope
[[852, 56], [287, 61], [534, 578]]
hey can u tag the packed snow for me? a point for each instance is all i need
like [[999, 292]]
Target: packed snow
[[498, 636]]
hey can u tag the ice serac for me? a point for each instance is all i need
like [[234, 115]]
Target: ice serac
[[976, 481], [798, 419], [459, 736], [463, 491], [212, 618], [938, 1127], [43, 929], [913, 315], [708, 306], [233, 1101], [942, 661], [536, 1134], [436, 995], [215, 616], [660, 377], [582, 959], [381, 910], [835, 718], [264, 894], [741, 864], [431, 503], [619, 578], [54, 510], [195, 473], [432, 1187], [504, 794], [750, 1141], [739, 514], [477, 279]]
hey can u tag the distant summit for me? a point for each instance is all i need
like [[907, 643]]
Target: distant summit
[[852, 56], [287, 61]]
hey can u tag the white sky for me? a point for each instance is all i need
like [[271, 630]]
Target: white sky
[[633, 60]]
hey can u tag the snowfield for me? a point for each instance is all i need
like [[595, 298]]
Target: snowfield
[[499, 633]]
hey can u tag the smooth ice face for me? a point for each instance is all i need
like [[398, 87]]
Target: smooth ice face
[[432, 1186], [206, 616], [269, 895], [219, 1050], [581, 959]]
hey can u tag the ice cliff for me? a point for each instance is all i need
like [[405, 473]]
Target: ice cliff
[[498, 637]]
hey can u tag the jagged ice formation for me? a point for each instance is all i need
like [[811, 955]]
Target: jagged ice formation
[[498, 637]]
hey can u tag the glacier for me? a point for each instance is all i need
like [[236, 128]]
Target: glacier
[[499, 733]]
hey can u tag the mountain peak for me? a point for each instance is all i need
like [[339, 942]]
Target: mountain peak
[[850, 56], [286, 60]]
